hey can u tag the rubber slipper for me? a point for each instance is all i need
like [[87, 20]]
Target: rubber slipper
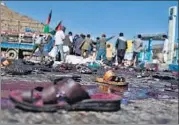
[[110, 78], [70, 96]]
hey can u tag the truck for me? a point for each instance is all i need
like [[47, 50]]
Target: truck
[[20, 44]]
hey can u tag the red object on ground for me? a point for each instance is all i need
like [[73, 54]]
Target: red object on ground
[[175, 73], [152, 66]]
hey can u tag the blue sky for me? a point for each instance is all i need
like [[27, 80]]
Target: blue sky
[[102, 16]]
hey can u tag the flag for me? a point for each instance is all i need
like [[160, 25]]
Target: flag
[[59, 26], [46, 28], [49, 18]]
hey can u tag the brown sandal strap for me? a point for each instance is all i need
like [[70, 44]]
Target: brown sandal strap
[[49, 94], [72, 91]]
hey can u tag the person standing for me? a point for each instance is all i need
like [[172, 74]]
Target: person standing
[[121, 46], [78, 40], [97, 43], [71, 40], [75, 44], [165, 48], [67, 45], [39, 44], [137, 48], [59, 37], [102, 48], [87, 43], [95, 47]]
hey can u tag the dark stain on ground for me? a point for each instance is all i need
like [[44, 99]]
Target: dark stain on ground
[[162, 121]]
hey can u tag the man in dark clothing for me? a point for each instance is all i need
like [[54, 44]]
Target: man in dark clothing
[[93, 49], [121, 46], [68, 42], [87, 43], [97, 43], [76, 44]]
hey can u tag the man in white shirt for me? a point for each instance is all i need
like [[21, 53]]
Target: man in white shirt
[[59, 37], [165, 48]]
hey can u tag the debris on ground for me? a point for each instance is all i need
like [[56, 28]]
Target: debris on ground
[[144, 87]]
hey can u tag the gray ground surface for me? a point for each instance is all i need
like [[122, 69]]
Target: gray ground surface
[[135, 112]]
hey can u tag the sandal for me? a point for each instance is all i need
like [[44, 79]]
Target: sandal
[[110, 78], [69, 96]]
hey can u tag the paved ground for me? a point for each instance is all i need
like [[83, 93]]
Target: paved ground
[[149, 110]]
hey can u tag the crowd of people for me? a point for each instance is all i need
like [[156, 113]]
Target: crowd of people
[[80, 45], [83, 45]]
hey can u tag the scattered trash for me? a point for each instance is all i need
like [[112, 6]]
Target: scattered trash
[[64, 67], [72, 59], [4, 62], [143, 74], [175, 73], [162, 77], [152, 66], [156, 79], [93, 65], [83, 69]]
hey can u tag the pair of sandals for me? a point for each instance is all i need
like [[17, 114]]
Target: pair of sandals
[[67, 95]]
